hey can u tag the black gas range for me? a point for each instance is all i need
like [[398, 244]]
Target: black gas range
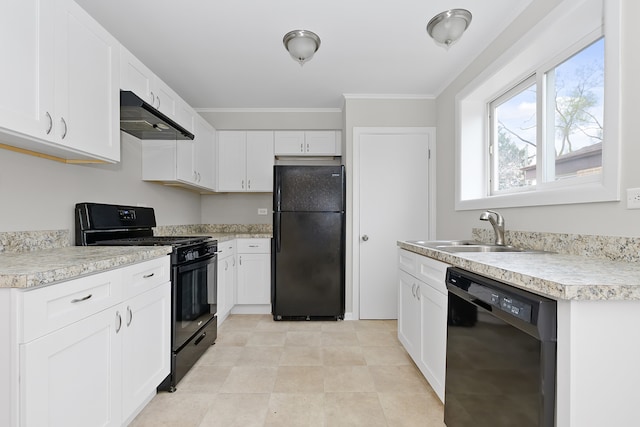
[[193, 275]]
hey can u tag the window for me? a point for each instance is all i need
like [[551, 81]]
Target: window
[[532, 128], [572, 133]]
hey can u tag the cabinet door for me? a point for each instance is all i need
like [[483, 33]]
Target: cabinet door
[[204, 153], [185, 161], [71, 377], [433, 354], [26, 80], [87, 96], [289, 143], [321, 143], [260, 160], [231, 161], [408, 314], [254, 279], [135, 76], [146, 346], [166, 100]]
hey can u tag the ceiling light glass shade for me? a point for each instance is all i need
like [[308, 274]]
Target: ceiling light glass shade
[[301, 45], [447, 27]]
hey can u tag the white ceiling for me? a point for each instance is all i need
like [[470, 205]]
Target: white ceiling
[[229, 53]]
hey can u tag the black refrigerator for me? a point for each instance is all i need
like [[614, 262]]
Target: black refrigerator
[[308, 245]]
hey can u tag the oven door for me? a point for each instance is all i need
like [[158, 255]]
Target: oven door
[[195, 300]]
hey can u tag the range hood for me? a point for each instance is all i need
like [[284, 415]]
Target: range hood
[[142, 120]]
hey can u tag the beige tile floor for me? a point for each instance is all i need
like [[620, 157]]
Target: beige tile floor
[[307, 374]]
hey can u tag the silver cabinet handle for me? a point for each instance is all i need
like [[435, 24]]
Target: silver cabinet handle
[[254, 246], [50, 123], [153, 98], [158, 99], [413, 290], [242, 184], [418, 292], [233, 264], [146, 276], [307, 147], [64, 134], [118, 322], [226, 265], [301, 148], [77, 300], [365, 238], [240, 260], [129, 316], [249, 184]]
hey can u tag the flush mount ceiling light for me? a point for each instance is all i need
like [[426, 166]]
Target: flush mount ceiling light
[[301, 44], [447, 27]]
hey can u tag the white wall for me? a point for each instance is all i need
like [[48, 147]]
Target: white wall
[[610, 218], [39, 194], [237, 208]]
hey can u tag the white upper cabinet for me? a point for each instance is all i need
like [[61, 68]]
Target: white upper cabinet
[[49, 105], [87, 112], [26, 103], [245, 161], [204, 153], [187, 163], [138, 78], [308, 143]]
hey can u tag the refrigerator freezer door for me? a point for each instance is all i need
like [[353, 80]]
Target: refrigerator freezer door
[[309, 189], [308, 268]]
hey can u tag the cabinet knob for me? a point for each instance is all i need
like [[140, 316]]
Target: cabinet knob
[[365, 238]]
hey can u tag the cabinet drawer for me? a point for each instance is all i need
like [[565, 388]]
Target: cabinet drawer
[[226, 248], [52, 307], [254, 246], [141, 277], [432, 271], [407, 261]]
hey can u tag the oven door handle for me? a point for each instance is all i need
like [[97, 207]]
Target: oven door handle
[[200, 262]]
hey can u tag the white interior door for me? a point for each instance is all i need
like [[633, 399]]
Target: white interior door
[[393, 192]]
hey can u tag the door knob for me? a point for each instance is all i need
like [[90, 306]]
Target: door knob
[[365, 237]]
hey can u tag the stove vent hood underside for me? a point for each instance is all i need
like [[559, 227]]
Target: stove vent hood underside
[[143, 121]]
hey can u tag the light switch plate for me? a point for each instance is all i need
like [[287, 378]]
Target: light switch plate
[[262, 211]]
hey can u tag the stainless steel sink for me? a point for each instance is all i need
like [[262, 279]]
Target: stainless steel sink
[[457, 246], [479, 248]]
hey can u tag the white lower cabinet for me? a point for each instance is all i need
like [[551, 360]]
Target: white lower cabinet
[[422, 315], [254, 271], [97, 366], [68, 377], [226, 278]]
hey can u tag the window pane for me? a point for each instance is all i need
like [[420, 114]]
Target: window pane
[[577, 86], [514, 139]]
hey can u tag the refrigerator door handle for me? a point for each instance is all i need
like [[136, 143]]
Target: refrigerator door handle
[[277, 228], [277, 190]]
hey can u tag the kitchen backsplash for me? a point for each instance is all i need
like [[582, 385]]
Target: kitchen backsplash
[[609, 247], [26, 241], [174, 230]]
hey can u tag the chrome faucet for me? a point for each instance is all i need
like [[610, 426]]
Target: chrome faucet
[[497, 223]]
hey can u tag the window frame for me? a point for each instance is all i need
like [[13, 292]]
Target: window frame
[[569, 28]]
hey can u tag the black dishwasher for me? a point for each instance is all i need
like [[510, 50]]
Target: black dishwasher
[[501, 354]]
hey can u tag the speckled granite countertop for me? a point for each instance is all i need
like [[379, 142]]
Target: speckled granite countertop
[[554, 275], [29, 269]]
